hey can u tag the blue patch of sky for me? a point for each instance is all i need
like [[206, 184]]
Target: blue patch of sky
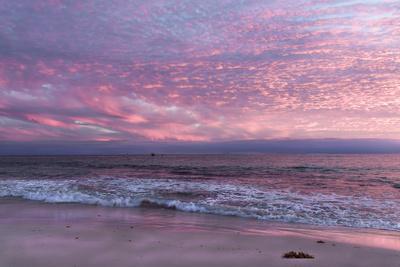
[[343, 4], [323, 17]]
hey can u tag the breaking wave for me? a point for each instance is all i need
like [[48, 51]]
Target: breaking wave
[[214, 198]]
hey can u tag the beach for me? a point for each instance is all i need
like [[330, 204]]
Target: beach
[[184, 133], [42, 234]]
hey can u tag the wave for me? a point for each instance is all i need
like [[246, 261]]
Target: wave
[[212, 197]]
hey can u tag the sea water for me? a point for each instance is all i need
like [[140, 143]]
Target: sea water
[[360, 191]]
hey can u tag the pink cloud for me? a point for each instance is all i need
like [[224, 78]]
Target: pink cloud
[[199, 70]]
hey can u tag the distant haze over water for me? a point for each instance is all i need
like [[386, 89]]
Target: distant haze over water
[[347, 146]]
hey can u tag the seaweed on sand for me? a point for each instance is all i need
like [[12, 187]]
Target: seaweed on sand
[[297, 255]]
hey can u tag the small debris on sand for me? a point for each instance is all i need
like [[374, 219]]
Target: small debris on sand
[[297, 255], [321, 242], [77, 237], [67, 226]]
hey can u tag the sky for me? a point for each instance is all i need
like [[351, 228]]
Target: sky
[[137, 71]]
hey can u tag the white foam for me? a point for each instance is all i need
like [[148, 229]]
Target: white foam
[[216, 198]]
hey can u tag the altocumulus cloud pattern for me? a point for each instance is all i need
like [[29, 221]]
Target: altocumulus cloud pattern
[[102, 70]]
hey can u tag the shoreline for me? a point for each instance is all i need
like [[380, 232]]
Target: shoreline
[[43, 234]]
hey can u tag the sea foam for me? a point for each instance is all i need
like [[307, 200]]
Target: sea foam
[[212, 197]]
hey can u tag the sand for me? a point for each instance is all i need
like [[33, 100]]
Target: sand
[[40, 234]]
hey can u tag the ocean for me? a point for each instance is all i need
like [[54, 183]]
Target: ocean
[[361, 191]]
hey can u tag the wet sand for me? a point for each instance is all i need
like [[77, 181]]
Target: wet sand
[[40, 234]]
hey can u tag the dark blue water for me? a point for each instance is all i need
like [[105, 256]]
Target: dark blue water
[[345, 190]]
